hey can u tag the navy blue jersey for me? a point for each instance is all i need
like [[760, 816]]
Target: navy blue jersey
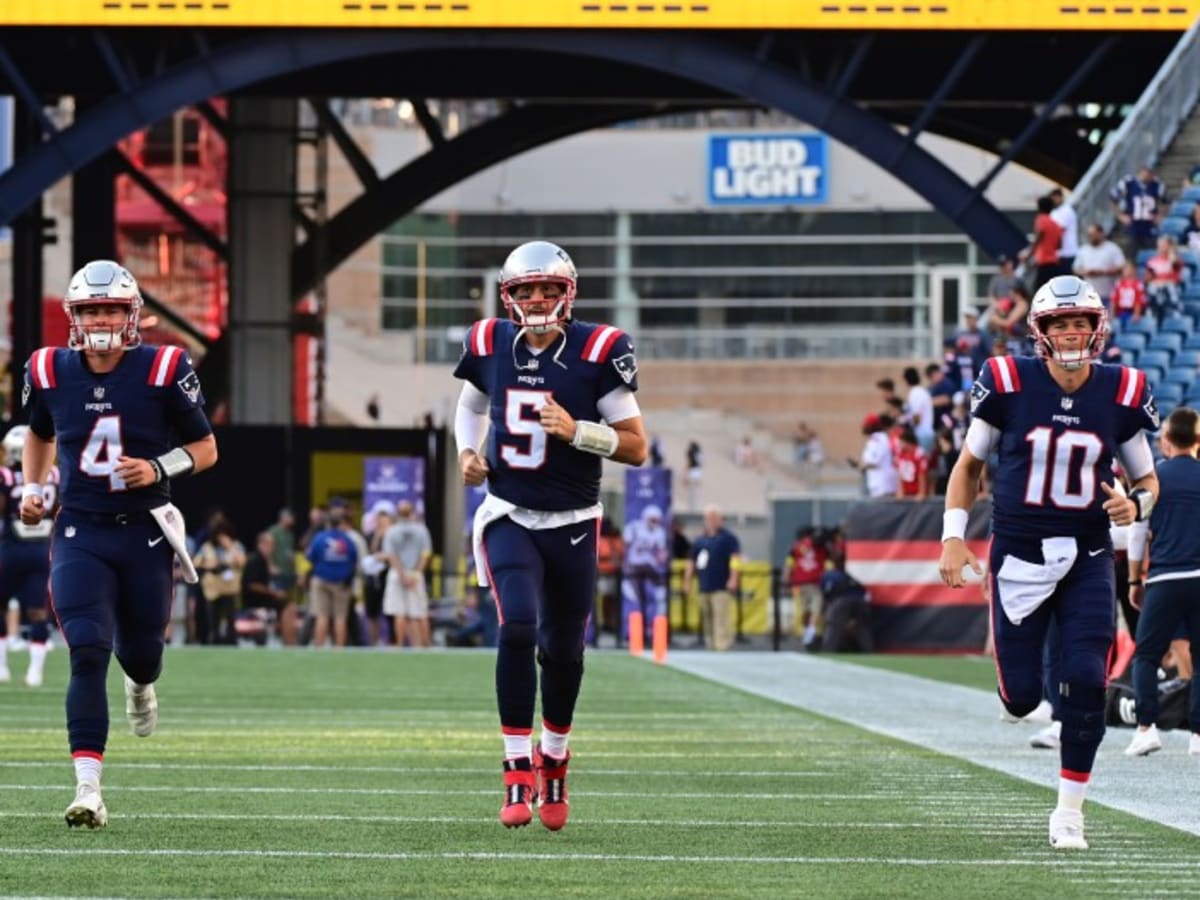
[[527, 467], [1173, 522], [1141, 203], [149, 403], [12, 480], [1056, 449]]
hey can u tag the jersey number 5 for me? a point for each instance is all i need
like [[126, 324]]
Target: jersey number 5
[[1074, 453], [527, 431], [102, 450]]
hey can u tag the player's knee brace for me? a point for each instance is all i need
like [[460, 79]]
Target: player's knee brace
[[89, 660], [39, 632], [518, 634], [1081, 711], [1021, 706]]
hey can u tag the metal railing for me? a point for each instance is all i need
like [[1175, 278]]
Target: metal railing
[[1147, 131]]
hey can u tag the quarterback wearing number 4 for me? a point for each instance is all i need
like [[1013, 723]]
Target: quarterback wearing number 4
[[1058, 421], [558, 396], [111, 408]]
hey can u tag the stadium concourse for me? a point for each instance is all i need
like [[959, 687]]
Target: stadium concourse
[[958, 721]]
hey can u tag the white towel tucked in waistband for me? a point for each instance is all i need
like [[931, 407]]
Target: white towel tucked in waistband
[[1024, 586], [491, 509]]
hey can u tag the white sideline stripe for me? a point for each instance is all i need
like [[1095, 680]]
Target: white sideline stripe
[[910, 571], [430, 770], [1041, 860], [956, 721], [984, 826]]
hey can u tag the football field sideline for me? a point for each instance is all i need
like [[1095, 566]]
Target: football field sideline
[[958, 721]]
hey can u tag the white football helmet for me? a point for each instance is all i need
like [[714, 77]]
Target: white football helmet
[[14, 444], [1066, 295], [533, 263], [103, 282]]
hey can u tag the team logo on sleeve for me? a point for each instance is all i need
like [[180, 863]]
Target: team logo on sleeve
[[978, 394], [626, 367], [25, 392], [1151, 410], [190, 385]]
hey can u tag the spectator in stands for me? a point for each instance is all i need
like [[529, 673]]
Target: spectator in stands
[[681, 547], [220, 561], [1006, 317], [1129, 296], [918, 405], [887, 392], [876, 460], [374, 567], [1002, 282], [1191, 235], [1139, 203], [1045, 249], [283, 570], [373, 409], [805, 564], [945, 453], [970, 339], [1192, 179], [334, 563], [847, 613], [744, 454], [695, 473], [716, 555], [656, 451], [258, 589], [318, 521], [941, 395], [1100, 261], [408, 547], [1064, 214], [912, 468], [1164, 272]]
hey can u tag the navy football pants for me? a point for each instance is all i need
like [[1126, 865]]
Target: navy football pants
[[111, 589], [25, 574], [544, 584], [1167, 605]]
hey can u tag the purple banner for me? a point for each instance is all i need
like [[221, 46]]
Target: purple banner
[[647, 518], [394, 478]]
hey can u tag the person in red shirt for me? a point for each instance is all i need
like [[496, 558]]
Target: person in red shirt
[[1163, 274], [806, 561], [1129, 296], [912, 468]]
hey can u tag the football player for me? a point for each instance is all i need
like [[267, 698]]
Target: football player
[[644, 585], [1058, 421], [24, 557], [558, 395], [112, 409]]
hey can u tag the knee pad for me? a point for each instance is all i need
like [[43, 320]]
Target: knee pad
[[1019, 707], [518, 634], [1081, 711], [89, 660]]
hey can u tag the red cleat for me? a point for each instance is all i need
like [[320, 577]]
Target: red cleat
[[518, 793], [553, 808]]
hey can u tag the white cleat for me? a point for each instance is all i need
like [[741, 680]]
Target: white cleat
[[17, 644], [1066, 830], [1194, 745], [33, 679], [141, 707], [88, 809], [1049, 738], [1144, 742]]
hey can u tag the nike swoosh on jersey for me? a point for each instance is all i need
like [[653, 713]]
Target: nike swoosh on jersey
[[576, 540], [1095, 552], [153, 542]]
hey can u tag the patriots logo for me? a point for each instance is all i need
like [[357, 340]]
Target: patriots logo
[[190, 385], [1151, 410], [978, 394], [25, 391], [626, 367], [98, 392]]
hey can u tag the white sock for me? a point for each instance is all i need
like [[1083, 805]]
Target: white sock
[[554, 743], [518, 745], [3, 653], [1071, 794], [37, 657], [87, 770], [810, 632]]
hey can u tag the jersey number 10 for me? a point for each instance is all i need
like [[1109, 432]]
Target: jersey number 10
[[1056, 460]]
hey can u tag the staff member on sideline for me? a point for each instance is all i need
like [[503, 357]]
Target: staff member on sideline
[[1171, 593]]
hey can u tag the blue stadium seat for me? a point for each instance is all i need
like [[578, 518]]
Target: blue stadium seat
[[1191, 307], [1186, 358], [1190, 399], [1150, 358], [1191, 342], [1154, 374], [1171, 341], [1177, 323], [1145, 325], [1168, 395], [1133, 341], [1143, 257], [1181, 375], [1191, 194], [1129, 357], [1182, 208], [1174, 226]]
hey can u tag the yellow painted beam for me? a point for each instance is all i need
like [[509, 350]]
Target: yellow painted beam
[[974, 15]]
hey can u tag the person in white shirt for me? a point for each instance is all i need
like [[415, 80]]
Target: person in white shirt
[[1064, 214], [1100, 261], [876, 460], [919, 408]]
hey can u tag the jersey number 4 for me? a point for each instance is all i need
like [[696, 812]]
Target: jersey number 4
[[102, 450], [528, 451], [1071, 458]]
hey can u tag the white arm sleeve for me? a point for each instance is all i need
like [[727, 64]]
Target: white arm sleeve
[[1136, 457], [981, 438], [470, 418], [1138, 534], [618, 404]]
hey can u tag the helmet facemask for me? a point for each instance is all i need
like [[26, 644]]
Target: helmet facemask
[[103, 338], [538, 322], [1049, 346]]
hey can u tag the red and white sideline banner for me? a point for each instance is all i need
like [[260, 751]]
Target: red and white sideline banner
[[893, 547]]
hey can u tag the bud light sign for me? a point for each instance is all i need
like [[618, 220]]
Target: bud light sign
[[778, 169]]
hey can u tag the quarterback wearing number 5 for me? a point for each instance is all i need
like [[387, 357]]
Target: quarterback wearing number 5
[[112, 409], [558, 397], [1057, 422]]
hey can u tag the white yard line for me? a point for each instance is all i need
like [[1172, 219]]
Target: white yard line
[[961, 722]]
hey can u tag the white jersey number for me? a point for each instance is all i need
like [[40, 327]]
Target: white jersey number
[[519, 425], [42, 529], [103, 449], [1074, 452]]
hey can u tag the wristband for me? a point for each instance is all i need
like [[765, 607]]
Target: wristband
[[1145, 503], [954, 524], [172, 464], [594, 437], [1137, 582], [31, 490]]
